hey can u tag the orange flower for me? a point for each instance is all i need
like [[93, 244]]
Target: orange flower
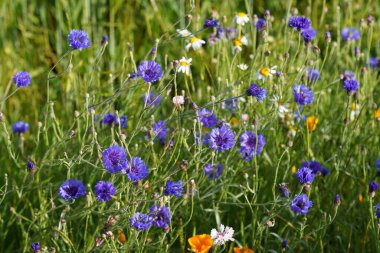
[[200, 243], [312, 122], [121, 237], [243, 250], [377, 114], [360, 197]]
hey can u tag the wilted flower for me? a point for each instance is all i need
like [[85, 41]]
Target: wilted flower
[[22, 79], [284, 189], [200, 243], [195, 43], [78, 40], [72, 189], [149, 71], [241, 18], [104, 191], [222, 235], [301, 204]]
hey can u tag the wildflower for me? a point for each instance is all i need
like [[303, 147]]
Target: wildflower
[[184, 66], [325, 171], [242, 66], [374, 62], [284, 244], [221, 138], [222, 235], [251, 145], [78, 39], [207, 118], [22, 79], [315, 166], [149, 71], [184, 33], [302, 95], [299, 23], [260, 24], [35, 246], [266, 72], [243, 250], [313, 75], [178, 101], [200, 243], [337, 200], [378, 163], [328, 36], [377, 211], [312, 122], [239, 42], [308, 34], [211, 23], [104, 191], [20, 127], [141, 221], [174, 188], [72, 189], [213, 171], [151, 99], [160, 131], [373, 186], [212, 39], [195, 43], [305, 175], [350, 33], [121, 238], [109, 119], [30, 166], [255, 91], [284, 189], [360, 198], [114, 159], [351, 86], [137, 169], [241, 18], [160, 216], [123, 121], [231, 33], [104, 39], [298, 116], [301, 204]]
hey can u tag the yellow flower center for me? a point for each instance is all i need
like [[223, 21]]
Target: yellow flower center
[[193, 39], [377, 114], [184, 63], [241, 14], [265, 71], [237, 42]]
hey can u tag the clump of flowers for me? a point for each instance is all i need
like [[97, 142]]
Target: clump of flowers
[[72, 189]]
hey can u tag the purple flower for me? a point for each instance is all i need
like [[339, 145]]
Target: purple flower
[[207, 118], [173, 188], [301, 204], [348, 75], [78, 39], [260, 24], [160, 131], [230, 103], [230, 33], [299, 23], [308, 34], [104, 191], [72, 189], [221, 138], [35, 246], [160, 216], [151, 99], [114, 159], [141, 221], [137, 169], [211, 23], [337, 200], [302, 95], [251, 145], [373, 186], [104, 39], [213, 171], [313, 165], [305, 175], [284, 244], [284, 189], [313, 75], [22, 79], [327, 36], [123, 121], [149, 71], [351, 86], [377, 210], [378, 163], [20, 127], [374, 62], [325, 171], [255, 91], [109, 119], [30, 166], [220, 32], [350, 33]]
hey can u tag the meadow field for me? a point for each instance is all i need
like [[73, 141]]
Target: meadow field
[[234, 126]]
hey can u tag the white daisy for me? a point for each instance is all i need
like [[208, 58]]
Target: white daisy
[[178, 101], [242, 66], [241, 18], [266, 72], [223, 235], [239, 42], [184, 32], [184, 65], [195, 43]]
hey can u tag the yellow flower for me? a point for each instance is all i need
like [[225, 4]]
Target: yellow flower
[[294, 169], [243, 250], [312, 122], [200, 243], [377, 114]]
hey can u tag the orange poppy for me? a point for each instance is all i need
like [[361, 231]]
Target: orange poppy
[[312, 122], [121, 237], [243, 250], [200, 243], [377, 114]]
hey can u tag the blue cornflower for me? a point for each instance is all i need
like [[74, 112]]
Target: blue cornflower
[[160, 131], [213, 171], [123, 121], [284, 189], [251, 145], [313, 165], [207, 118], [221, 138], [325, 171], [149, 71], [337, 200], [377, 210], [151, 99], [308, 34], [115, 159], [305, 175], [211, 23], [104, 39], [313, 75], [78, 39], [260, 24], [104, 191], [284, 244], [299, 23], [302, 94], [72, 189], [20, 127], [377, 163], [35, 246], [301, 204], [30, 166], [350, 33], [255, 91], [22, 79], [173, 188], [374, 62], [373, 186], [220, 32], [351, 86], [109, 119], [141, 221], [137, 169], [160, 216]]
